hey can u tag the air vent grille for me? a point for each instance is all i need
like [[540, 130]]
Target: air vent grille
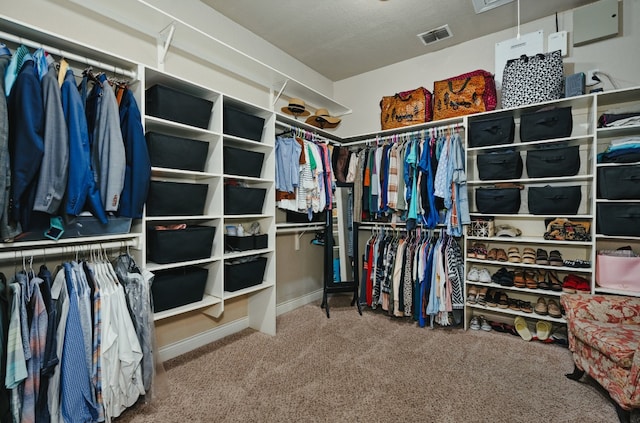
[[434, 35]]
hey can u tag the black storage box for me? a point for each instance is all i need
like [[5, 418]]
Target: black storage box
[[168, 103], [176, 199], [554, 200], [242, 275], [494, 131], [295, 217], [177, 153], [498, 200], [619, 182], [178, 287], [547, 124], [241, 124], [552, 162], [241, 200], [244, 243], [500, 165], [618, 219], [175, 245], [242, 162]]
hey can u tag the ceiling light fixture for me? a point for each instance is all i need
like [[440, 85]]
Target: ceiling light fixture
[[484, 5]]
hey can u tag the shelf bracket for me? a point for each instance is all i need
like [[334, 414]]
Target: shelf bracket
[[214, 311], [164, 42], [279, 93]]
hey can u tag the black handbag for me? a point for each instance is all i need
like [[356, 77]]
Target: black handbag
[[546, 124], [554, 200], [500, 165], [498, 200], [532, 79], [552, 162], [494, 131]]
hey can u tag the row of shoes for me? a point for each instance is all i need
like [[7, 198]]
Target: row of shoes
[[512, 255], [543, 329], [482, 295], [531, 279]]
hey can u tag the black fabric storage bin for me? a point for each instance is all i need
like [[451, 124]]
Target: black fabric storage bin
[[168, 103], [178, 287], [494, 131], [618, 219], [551, 162], [554, 200], [176, 199], [295, 217], [240, 200], [619, 182], [547, 124], [176, 153], [500, 165], [174, 245], [498, 200], [242, 162], [243, 275], [241, 124], [244, 243]]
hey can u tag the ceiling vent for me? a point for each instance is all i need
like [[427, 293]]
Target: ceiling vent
[[441, 33], [484, 5]]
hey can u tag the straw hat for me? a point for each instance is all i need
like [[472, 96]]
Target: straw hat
[[296, 107], [322, 119]]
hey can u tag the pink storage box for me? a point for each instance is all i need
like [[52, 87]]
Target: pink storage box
[[621, 273]]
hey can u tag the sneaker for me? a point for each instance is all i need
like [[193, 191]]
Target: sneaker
[[484, 275], [473, 275], [484, 325], [475, 323]]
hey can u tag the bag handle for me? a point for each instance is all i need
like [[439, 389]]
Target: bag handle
[[553, 159], [466, 81]]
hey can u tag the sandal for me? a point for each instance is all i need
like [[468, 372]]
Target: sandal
[[472, 295], [530, 280], [474, 324], [492, 298], [555, 259], [525, 307], [522, 328], [503, 300], [484, 325], [492, 254], [555, 283], [518, 279], [541, 307], [542, 257], [501, 255], [553, 309], [528, 256], [481, 297], [480, 250], [514, 255]]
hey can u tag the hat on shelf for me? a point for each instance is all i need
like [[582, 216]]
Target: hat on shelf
[[296, 108], [322, 119], [507, 230]]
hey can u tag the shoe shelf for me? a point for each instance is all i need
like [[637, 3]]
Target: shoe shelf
[[533, 226], [510, 312]]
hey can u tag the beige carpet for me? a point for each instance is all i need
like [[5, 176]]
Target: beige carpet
[[372, 368]]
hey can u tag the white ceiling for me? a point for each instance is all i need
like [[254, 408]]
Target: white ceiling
[[343, 38]]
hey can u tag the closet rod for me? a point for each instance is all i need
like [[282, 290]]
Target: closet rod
[[46, 251], [315, 136], [453, 127], [71, 56]]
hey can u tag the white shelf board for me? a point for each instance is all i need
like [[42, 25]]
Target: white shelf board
[[618, 131], [155, 266], [182, 218], [601, 290], [45, 243], [238, 254], [264, 285], [526, 240], [496, 286], [207, 301], [528, 266], [165, 172], [170, 127], [517, 313]]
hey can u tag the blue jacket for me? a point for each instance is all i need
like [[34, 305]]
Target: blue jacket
[[26, 143], [81, 187], [138, 169]]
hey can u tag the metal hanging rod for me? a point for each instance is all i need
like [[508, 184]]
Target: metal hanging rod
[[49, 251], [421, 132], [65, 54], [305, 133]]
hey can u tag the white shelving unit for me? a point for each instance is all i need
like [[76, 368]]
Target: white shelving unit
[[533, 225], [619, 99]]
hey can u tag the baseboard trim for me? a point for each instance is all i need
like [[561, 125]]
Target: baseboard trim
[[189, 344], [298, 302]]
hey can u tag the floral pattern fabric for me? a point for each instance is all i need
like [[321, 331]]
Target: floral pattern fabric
[[604, 336]]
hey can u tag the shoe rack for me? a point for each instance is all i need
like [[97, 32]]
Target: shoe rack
[[526, 272]]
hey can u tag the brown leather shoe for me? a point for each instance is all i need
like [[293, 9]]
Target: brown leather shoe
[[553, 308], [541, 307]]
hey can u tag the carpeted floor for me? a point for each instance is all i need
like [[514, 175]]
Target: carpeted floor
[[372, 368]]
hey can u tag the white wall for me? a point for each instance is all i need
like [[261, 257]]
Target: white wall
[[618, 57]]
